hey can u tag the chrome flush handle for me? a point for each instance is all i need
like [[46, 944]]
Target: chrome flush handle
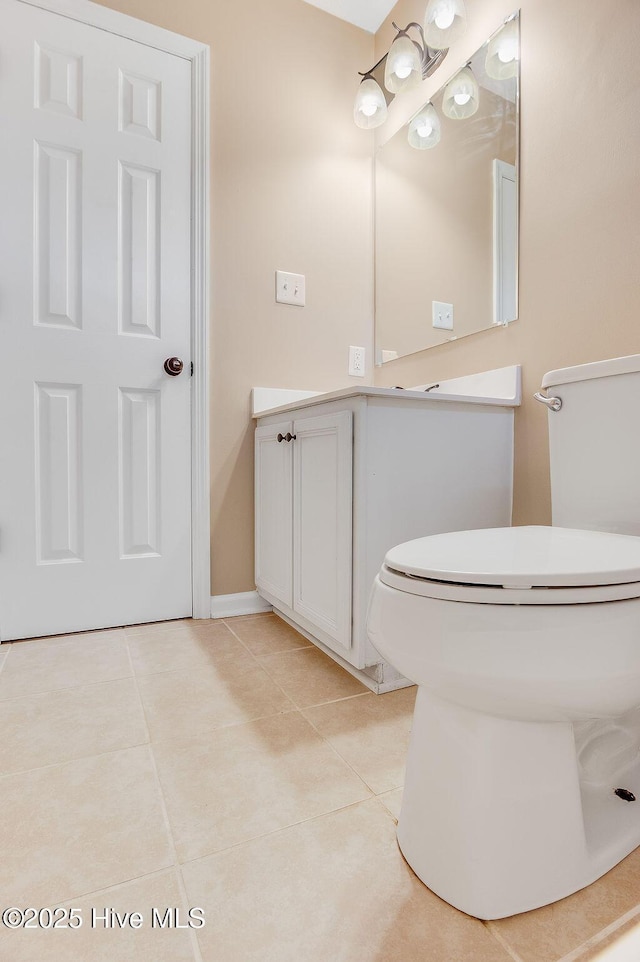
[[553, 403]]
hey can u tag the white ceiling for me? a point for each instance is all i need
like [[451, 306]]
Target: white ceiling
[[368, 14]]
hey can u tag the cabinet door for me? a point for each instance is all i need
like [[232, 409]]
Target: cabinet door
[[273, 499], [322, 526]]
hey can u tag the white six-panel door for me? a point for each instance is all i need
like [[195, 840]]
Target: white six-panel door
[[94, 295]]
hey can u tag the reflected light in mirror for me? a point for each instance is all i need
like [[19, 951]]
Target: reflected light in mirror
[[503, 53], [461, 96], [424, 129]]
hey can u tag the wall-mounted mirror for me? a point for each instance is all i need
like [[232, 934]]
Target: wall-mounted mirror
[[446, 230]]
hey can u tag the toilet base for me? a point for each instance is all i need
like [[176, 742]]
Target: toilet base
[[494, 817]]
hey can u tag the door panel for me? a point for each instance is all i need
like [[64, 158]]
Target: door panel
[[57, 269], [273, 480], [58, 434], [140, 481], [322, 524], [95, 457]]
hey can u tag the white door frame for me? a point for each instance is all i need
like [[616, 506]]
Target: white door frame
[[197, 53]]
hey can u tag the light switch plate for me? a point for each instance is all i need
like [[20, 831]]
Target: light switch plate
[[442, 314], [388, 356], [290, 288]]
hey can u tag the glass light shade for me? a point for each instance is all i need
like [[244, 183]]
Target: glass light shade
[[403, 69], [370, 107], [461, 96], [444, 22], [503, 52], [424, 129]]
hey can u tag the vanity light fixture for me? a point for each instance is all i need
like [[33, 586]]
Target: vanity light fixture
[[406, 64], [461, 95], [409, 61], [444, 22], [503, 52], [424, 129], [370, 107]]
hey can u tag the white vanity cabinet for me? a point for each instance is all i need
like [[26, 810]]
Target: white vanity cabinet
[[341, 479], [303, 471]]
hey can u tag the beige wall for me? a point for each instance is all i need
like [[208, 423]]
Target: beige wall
[[291, 190], [579, 209]]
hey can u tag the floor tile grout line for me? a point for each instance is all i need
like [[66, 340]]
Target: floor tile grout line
[[340, 756], [332, 702], [195, 944], [500, 939], [195, 947], [164, 869], [305, 648], [335, 701], [57, 691], [71, 761], [180, 739], [269, 675], [108, 889], [54, 691], [309, 647], [255, 659], [165, 813], [285, 828], [318, 705], [46, 691], [575, 954], [248, 650], [6, 645]]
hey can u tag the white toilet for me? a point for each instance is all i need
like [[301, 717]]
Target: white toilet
[[524, 762]]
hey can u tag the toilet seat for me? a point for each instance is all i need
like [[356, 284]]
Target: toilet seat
[[532, 565]]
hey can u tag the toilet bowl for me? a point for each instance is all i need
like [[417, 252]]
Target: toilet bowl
[[524, 768]]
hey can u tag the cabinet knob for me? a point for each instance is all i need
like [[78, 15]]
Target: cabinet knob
[[289, 437], [280, 438]]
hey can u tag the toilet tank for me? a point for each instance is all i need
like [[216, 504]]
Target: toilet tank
[[594, 445]]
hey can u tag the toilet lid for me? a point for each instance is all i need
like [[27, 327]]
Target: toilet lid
[[522, 557]]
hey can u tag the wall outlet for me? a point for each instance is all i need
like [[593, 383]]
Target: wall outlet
[[356, 361], [290, 288], [442, 315]]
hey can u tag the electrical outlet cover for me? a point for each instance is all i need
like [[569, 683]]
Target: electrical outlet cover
[[356, 361]]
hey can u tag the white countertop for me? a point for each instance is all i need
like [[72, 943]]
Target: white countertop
[[501, 387]]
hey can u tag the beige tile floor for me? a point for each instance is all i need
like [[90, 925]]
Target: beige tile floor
[[232, 767]]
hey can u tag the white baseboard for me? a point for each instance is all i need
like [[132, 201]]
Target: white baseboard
[[242, 603]]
